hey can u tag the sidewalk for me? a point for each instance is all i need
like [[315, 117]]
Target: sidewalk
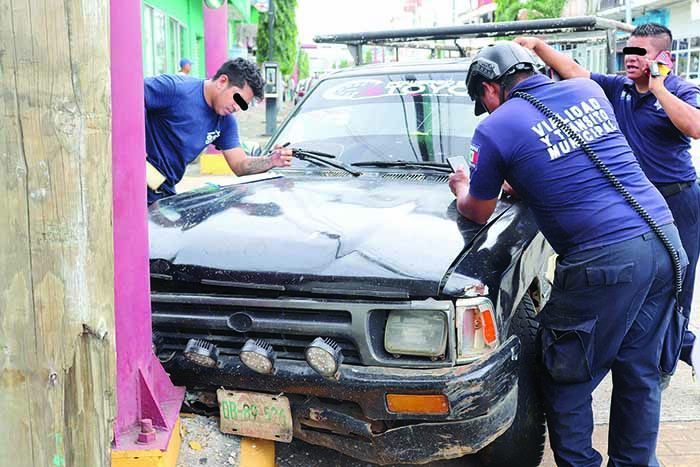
[[678, 445], [679, 436], [251, 123]]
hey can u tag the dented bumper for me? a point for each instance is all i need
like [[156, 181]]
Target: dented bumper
[[350, 414]]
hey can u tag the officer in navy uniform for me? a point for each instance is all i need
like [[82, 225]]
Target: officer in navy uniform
[[658, 115], [613, 290]]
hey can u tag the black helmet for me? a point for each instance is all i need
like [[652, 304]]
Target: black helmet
[[492, 63]]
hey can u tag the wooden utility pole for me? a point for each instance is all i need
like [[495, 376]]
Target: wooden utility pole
[[57, 343]]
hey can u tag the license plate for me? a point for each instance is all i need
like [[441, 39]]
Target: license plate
[[255, 414]]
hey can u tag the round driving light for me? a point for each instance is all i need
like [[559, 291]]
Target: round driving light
[[202, 353], [258, 356], [324, 356]]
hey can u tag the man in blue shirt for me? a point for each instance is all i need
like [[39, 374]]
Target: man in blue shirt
[[613, 288], [658, 115], [185, 67], [185, 115]]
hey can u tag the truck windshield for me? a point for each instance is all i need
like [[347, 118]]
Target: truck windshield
[[409, 117]]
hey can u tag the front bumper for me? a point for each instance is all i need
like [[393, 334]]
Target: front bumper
[[482, 397]]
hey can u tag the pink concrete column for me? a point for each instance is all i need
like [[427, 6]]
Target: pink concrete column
[[215, 37], [144, 391], [215, 43]]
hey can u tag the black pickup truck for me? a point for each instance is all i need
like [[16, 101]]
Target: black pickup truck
[[397, 330], [359, 243]]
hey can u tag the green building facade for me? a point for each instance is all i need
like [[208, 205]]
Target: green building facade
[[174, 29]]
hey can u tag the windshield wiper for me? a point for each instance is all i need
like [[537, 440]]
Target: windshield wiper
[[440, 167], [321, 158]]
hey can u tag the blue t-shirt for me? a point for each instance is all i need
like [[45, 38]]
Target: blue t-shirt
[[662, 149], [180, 124], [575, 206]]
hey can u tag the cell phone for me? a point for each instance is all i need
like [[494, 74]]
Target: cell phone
[[654, 70], [456, 162]]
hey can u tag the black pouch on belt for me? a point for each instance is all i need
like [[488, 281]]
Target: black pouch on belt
[[671, 350], [671, 189]]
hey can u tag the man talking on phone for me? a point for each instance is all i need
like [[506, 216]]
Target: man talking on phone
[[184, 115], [613, 290], [658, 112]]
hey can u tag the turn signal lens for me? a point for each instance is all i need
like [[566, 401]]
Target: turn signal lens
[[489, 327], [477, 331], [412, 403]]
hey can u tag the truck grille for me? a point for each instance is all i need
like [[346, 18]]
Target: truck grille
[[229, 326], [288, 324]]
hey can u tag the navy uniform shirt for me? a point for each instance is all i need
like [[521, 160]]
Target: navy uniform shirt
[[180, 124], [576, 208], [662, 149]]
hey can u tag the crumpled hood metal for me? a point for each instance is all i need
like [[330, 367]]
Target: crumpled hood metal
[[312, 233]]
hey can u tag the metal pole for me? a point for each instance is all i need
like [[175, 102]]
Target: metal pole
[[356, 52], [628, 11], [271, 102], [610, 50], [271, 23]]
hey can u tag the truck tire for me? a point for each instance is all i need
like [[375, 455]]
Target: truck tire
[[522, 444]]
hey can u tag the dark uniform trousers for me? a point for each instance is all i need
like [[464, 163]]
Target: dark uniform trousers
[[685, 207], [609, 311]]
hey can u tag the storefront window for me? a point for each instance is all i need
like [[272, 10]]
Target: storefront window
[[177, 33], [694, 71], [165, 42], [682, 64], [686, 53], [148, 65], [159, 44]]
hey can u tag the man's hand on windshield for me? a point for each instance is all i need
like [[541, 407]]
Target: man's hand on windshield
[[459, 182], [281, 157]]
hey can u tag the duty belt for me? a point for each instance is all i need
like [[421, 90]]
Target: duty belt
[[670, 189]]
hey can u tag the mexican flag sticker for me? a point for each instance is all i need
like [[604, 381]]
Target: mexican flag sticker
[[473, 154]]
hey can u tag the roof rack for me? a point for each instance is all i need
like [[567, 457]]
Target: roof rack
[[609, 27]]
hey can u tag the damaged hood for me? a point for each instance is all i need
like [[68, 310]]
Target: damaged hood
[[363, 236]]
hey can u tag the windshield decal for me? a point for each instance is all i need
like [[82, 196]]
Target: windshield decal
[[360, 89]]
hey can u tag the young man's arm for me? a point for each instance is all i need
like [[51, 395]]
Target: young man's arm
[[238, 160], [241, 164], [684, 116], [562, 63]]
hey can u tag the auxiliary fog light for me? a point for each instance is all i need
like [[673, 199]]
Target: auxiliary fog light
[[202, 352], [324, 356], [258, 356]]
